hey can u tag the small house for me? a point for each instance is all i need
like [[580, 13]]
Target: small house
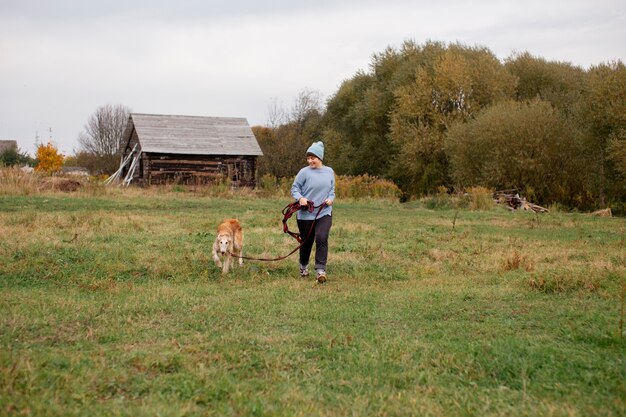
[[8, 145], [74, 171], [161, 149]]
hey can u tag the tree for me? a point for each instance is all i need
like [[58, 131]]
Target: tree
[[284, 146], [616, 154], [558, 83], [528, 146], [102, 137], [266, 138], [84, 159], [603, 117], [616, 151], [450, 85], [50, 160], [391, 121], [350, 127]]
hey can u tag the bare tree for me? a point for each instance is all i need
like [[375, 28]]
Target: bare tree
[[290, 133], [306, 102], [103, 135], [276, 114]]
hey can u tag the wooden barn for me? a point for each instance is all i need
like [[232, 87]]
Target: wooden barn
[[161, 149]]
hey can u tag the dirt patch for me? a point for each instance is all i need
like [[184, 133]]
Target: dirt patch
[[62, 184]]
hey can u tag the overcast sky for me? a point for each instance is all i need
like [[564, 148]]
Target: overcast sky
[[61, 60]]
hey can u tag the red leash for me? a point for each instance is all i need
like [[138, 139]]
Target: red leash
[[288, 211], [295, 207]]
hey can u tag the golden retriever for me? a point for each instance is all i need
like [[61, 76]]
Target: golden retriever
[[228, 242]]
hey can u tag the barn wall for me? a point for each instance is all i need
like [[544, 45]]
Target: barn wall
[[134, 139], [198, 169]]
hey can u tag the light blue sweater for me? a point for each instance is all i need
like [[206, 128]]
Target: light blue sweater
[[316, 185]]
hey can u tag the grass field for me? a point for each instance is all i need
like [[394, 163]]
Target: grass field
[[110, 305]]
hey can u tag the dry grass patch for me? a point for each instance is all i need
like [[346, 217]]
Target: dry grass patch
[[481, 198], [516, 260], [605, 265], [439, 255], [564, 281], [14, 181]]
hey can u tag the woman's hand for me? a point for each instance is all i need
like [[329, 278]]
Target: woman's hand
[[328, 202], [303, 202]]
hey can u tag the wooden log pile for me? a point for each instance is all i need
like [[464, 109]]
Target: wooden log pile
[[513, 201]]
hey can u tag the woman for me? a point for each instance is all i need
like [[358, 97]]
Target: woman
[[315, 183]]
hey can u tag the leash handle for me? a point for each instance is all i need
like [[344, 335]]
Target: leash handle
[[295, 207]]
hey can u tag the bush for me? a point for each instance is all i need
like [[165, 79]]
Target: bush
[[480, 198], [442, 200], [527, 146], [12, 157], [365, 186], [474, 198], [50, 160], [356, 187]]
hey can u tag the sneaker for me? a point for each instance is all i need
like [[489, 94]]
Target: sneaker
[[304, 271], [321, 276]]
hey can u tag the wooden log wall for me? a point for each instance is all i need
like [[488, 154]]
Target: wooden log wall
[[197, 169]]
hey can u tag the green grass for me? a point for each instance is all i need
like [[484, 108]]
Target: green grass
[[111, 305]]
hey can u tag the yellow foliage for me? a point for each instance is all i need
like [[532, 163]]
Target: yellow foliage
[[481, 198], [357, 187], [50, 160], [365, 186]]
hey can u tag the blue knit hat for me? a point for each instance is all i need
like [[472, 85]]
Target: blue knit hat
[[317, 149]]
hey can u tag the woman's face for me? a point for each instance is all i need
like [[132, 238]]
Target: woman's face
[[313, 161]]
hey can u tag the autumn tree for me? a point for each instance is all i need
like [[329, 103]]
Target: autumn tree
[[450, 85], [528, 146], [558, 83], [50, 160], [616, 153], [102, 137], [356, 127], [603, 116], [395, 120]]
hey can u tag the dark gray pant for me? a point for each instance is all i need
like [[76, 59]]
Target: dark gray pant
[[319, 234]]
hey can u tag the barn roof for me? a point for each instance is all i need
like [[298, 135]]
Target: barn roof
[[193, 135]]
